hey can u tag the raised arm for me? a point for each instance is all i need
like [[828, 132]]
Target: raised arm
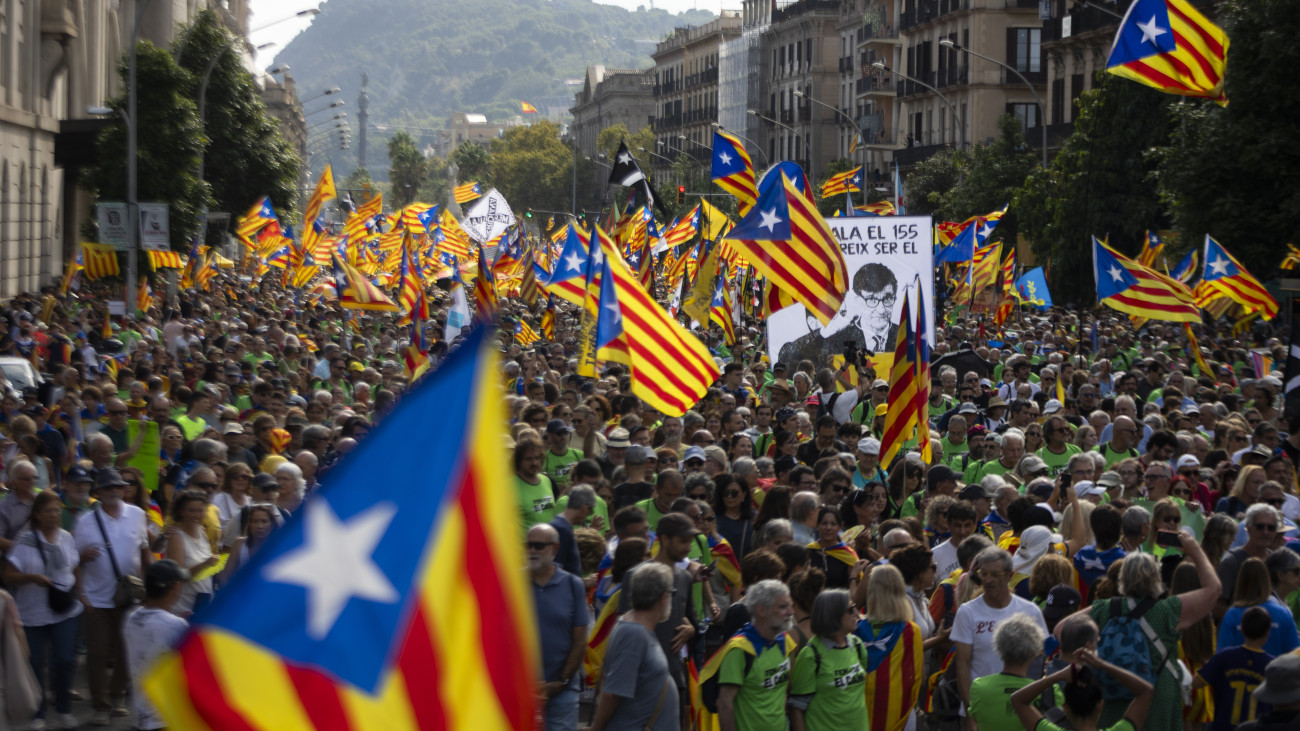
[[1200, 602]]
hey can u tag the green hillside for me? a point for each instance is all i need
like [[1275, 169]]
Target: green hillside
[[428, 58]]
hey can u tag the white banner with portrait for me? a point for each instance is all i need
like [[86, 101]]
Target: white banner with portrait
[[884, 256]]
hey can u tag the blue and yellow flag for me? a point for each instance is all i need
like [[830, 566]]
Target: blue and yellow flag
[[404, 609], [1032, 287], [895, 672], [1168, 45]]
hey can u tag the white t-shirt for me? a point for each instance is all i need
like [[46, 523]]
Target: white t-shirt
[[128, 533], [844, 405], [147, 634], [33, 599], [227, 506], [945, 560], [974, 625]]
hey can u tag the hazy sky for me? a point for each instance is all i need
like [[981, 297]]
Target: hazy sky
[[273, 21]]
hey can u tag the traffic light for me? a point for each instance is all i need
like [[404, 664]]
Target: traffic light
[[681, 194]]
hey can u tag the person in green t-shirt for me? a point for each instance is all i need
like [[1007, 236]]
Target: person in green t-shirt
[[828, 683], [1083, 697], [559, 457], [954, 444], [1057, 448], [1018, 641], [752, 691], [534, 491]]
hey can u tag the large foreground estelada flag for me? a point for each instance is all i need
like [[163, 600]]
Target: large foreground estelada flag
[[395, 600]]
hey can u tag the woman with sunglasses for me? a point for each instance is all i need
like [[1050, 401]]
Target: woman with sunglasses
[[828, 680], [733, 504], [861, 511], [234, 492], [904, 479]]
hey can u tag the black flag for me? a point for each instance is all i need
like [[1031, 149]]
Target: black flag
[[1291, 384], [628, 174]]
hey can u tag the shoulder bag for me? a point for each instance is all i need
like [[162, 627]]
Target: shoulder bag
[[129, 589], [60, 600]]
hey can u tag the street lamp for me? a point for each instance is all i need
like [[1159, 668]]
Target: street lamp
[[853, 126], [327, 92], [1042, 113], [598, 162], [338, 116], [279, 69], [952, 110], [755, 145], [333, 105], [754, 113]]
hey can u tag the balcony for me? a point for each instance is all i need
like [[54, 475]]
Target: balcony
[[668, 123], [868, 34], [805, 113], [794, 10], [787, 116], [881, 85], [953, 76], [928, 10], [846, 65], [1080, 20], [1037, 78], [912, 88], [703, 78]]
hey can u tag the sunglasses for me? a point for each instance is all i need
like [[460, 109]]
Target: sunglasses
[[1276, 503], [203, 485], [538, 545], [734, 493], [839, 488], [1265, 527], [132, 483]]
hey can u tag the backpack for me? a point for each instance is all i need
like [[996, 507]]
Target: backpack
[[1125, 641]]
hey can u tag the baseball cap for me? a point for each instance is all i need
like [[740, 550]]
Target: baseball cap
[[779, 367], [972, 492], [939, 473], [77, 474], [1188, 460], [869, 445], [1061, 600], [108, 477], [1052, 406], [1084, 488], [968, 408], [1041, 490], [1109, 479], [232, 427], [1031, 464], [557, 426], [1035, 542], [879, 382], [676, 524], [693, 453], [1281, 681], [618, 439], [162, 575], [263, 481], [296, 420]]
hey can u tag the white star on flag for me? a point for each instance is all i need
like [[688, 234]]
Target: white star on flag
[[1220, 267], [625, 158], [573, 261], [597, 257], [615, 311], [1150, 30], [336, 563], [986, 230], [725, 158], [1115, 273], [769, 220]]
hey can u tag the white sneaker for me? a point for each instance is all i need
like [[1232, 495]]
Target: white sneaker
[[100, 718], [68, 721]]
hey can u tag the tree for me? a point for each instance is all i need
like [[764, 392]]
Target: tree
[[609, 138], [1231, 171], [245, 156], [436, 184], [929, 181], [990, 176], [533, 168], [473, 164], [1100, 183], [169, 140], [406, 168], [359, 180]]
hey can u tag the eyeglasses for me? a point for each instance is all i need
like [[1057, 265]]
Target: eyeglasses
[[117, 412], [873, 301], [1265, 527], [734, 493], [1033, 434], [203, 485], [538, 545], [1276, 503], [1181, 493], [1168, 519], [1155, 475], [881, 388], [132, 483], [839, 488]]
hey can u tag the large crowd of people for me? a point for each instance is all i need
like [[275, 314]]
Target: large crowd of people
[[1099, 535]]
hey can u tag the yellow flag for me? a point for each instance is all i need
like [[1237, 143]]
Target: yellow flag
[[699, 299]]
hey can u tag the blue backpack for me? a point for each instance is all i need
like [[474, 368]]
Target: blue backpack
[[1127, 641]]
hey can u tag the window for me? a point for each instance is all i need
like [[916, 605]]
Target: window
[[1026, 114], [1058, 101], [1024, 49], [1076, 85]]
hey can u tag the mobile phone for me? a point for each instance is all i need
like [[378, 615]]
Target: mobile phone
[[1169, 538]]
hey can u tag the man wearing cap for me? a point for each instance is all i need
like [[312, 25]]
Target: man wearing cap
[[76, 496], [559, 457], [1062, 601], [123, 526], [868, 463], [151, 630], [866, 410], [615, 452], [1057, 448]]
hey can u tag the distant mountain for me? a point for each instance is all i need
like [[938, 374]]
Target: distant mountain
[[428, 58]]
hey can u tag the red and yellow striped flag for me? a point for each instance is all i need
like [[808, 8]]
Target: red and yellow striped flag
[[895, 672], [324, 192], [358, 293], [165, 260], [405, 610], [144, 296], [901, 417], [467, 192], [99, 260]]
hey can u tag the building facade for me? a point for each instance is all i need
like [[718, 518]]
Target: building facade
[[953, 97], [1076, 42], [610, 97], [686, 86]]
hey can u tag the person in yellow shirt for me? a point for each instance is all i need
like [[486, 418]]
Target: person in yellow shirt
[[192, 422]]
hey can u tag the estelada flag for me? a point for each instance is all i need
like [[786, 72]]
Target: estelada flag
[[895, 672], [400, 610]]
